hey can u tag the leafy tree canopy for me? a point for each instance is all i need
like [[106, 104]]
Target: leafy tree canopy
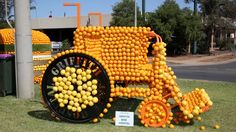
[[123, 14]]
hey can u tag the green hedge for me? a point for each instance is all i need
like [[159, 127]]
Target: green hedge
[[36, 47]]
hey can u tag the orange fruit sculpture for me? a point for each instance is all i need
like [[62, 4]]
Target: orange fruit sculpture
[[112, 56]]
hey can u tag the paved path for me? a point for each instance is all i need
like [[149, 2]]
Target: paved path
[[220, 72]]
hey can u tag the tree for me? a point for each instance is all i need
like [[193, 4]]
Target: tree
[[164, 19], [193, 28], [10, 6], [178, 27], [195, 2], [123, 14], [217, 14]]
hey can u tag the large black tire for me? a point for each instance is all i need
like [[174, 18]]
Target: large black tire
[[79, 60]]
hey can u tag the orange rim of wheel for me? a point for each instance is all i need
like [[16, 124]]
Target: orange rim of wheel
[[159, 104]]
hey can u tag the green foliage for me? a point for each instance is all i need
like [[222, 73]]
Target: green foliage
[[164, 19], [123, 14], [178, 27], [65, 45]]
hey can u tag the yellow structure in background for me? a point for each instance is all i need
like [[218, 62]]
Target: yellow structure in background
[[7, 37]]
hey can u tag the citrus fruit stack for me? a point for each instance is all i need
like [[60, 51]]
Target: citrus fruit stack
[[195, 102], [41, 42], [79, 97]]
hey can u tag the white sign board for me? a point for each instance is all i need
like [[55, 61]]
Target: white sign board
[[124, 118]]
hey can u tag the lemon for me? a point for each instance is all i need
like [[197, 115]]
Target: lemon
[[89, 83], [60, 100], [85, 86], [95, 100], [94, 87], [71, 87], [83, 106], [76, 99], [94, 81], [88, 93], [69, 92], [88, 71], [68, 83], [86, 102], [84, 97], [202, 128], [65, 87], [74, 80], [79, 109], [88, 77], [84, 79], [64, 79], [78, 95], [79, 88], [59, 79], [69, 78], [94, 92], [71, 102], [79, 83], [67, 74], [66, 96], [73, 109], [69, 107], [72, 70], [62, 84], [55, 88], [76, 104], [56, 96], [71, 97], [90, 98], [91, 103], [54, 79], [57, 84], [61, 95], [89, 89], [62, 105], [74, 93], [83, 74], [79, 77], [65, 101], [68, 69], [73, 75], [216, 126], [79, 71], [64, 92]]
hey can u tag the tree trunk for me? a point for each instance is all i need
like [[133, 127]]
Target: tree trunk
[[212, 40], [234, 36], [189, 48], [195, 7]]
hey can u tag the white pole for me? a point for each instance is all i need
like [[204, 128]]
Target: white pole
[[24, 58], [135, 13]]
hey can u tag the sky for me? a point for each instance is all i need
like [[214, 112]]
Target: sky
[[43, 7]]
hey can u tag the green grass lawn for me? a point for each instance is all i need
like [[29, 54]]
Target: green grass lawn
[[29, 115]]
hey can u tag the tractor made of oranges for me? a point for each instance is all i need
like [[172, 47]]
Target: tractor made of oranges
[[79, 85]]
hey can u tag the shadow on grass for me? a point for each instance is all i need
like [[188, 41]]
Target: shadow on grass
[[42, 114]]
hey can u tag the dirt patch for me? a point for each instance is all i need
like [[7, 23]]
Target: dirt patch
[[220, 58], [187, 57]]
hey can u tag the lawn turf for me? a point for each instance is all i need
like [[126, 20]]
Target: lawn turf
[[29, 115]]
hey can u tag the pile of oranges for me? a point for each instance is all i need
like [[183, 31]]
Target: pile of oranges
[[75, 98], [39, 67], [7, 36], [39, 39], [195, 102]]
